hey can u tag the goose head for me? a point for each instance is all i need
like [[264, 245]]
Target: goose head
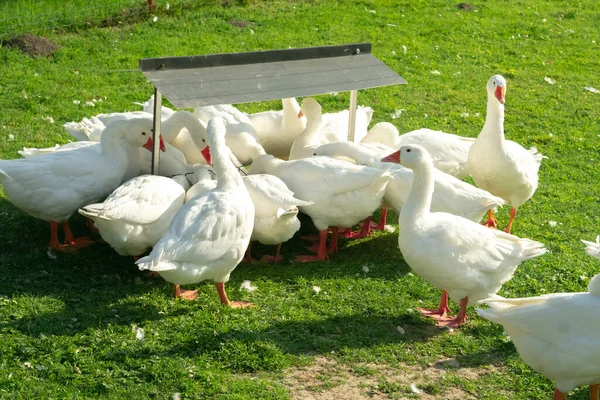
[[496, 87], [410, 156], [309, 108], [138, 132]]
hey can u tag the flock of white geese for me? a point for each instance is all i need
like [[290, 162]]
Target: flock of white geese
[[200, 214]]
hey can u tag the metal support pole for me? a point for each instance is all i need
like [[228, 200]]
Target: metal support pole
[[352, 114], [156, 131]]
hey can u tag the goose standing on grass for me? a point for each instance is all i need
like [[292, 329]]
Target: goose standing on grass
[[502, 167], [277, 130], [467, 261], [53, 186], [342, 194], [136, 215], [209, 234], [556, 334]]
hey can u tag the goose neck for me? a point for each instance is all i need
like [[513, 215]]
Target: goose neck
[[226, 172], [418, 201], [493, 128]]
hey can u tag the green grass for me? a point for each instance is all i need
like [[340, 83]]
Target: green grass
[[68, 325]]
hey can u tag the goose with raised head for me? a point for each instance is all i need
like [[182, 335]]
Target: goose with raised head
[[53, 186], [241, 136], [556, 334], [450, 194], [502, 167], [210, 233], [342, 194], [277, 130], [136, 215], [464, 259]]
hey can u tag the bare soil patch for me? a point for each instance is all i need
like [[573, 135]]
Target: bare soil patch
[[32, 45], [326, 379]]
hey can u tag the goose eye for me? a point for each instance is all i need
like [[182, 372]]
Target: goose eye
[[314, 154], [203, 141], [408, 150], [144, 133]]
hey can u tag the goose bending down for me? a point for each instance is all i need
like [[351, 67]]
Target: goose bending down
[[450, 194], [53, 186], [335, 125], [556, 334], [342, 193], [500, 166], [467, 261], [136, 215], [209, 234], [277, 130], [384, 133], [275, 209], [241, 136]]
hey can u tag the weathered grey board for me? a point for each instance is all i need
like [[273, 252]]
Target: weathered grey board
[[266, 75]]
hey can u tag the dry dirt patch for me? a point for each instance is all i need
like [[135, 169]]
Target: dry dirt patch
[[32, 45], [326, 379]]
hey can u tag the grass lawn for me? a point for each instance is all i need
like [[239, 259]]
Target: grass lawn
[[69, 322]]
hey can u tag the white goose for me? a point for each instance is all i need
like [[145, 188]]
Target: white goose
[[275, 209], [241, 135], [467, 261], [556, 334], [51, 187], [335, 125], [450, 194], [342, 193], [209, 234], [136, 215], [502, 167], [277, 130]]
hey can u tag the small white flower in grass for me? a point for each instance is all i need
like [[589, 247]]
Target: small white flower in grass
[[552, 223], [550, 134], [393, 53], [549, 80], [397, 113], [316, 289], [51, 254], [24, 93], [389, 228], [252, 31], [89, 104], [176, 396], [11, 137], [365, 269], [10, 375], [49, 119], [544, 20], [425, 116], [400, 330], [167, 6], [392, 25], [139, 334], [592, 89], [464, 115], [583, 278], [415, 389], [477, 114], [155, 18], [76, 102], [36, 74], [27, 364], [371, 11], [404, 49], [248, 286], [333, 94], [435, 72]]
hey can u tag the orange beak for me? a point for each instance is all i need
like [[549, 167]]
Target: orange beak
[[300, 115], [206, 155], [394, 157], [500, 94], [150, 144]]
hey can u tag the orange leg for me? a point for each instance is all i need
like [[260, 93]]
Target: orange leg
[[491, 221], [185, 294], [248, 255], [558, 395], [225, 301], [73, 242], [382, 220], [513, 213], [54, 236], [440, 312], [274, 259], [594, 391], [321, 250], [365, 230], [460, 318]]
